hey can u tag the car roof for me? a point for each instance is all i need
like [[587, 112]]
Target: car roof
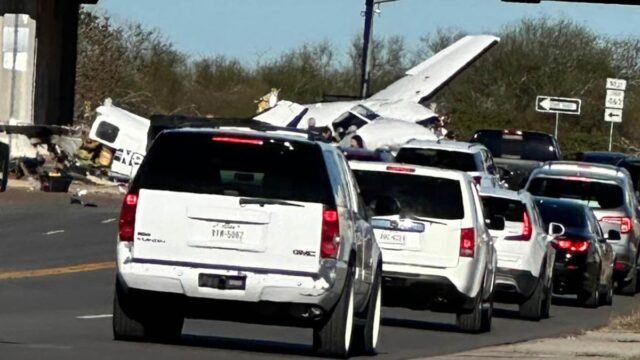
[[280, 135], [460, 146], [418, 170], [513, 131], [584, 169], [504, 193]]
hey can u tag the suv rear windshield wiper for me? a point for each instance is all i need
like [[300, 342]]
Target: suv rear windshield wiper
[[263, 202], [418, 218]]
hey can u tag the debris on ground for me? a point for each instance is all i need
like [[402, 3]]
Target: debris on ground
[[53, 157]]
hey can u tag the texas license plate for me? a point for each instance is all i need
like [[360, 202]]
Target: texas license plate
[[227, 233], [391, 237]]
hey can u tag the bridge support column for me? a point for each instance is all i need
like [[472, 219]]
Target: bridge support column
[[53, 59]]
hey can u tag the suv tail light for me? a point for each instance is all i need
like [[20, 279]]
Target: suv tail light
[[467, 242], [626, 224], [128, 217], [330, 233], [527, 229], [573, 245], [477, 180]]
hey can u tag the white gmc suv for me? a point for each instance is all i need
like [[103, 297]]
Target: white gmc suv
[[250, 226], [438, 253], [525, 253]]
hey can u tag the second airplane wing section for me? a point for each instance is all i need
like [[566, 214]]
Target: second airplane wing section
[[425, 79]]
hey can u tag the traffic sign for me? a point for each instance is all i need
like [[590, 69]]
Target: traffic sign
[[615, 99], [613, 115], [616, 84], [558, 105]]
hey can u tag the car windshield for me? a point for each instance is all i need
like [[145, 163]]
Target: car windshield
[[405, 194], [443, 159], [523, 146], [511, 210], [595, 194], [571, 216], [236, 166]]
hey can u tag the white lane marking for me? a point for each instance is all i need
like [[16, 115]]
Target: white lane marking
[[108, 221], [53, 232], [91, 317]]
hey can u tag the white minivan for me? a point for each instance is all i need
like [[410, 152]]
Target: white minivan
[[438, 253]]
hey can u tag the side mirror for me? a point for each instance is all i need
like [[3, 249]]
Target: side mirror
[[4, 166], [495, 223], [556, 229], [613, 235]]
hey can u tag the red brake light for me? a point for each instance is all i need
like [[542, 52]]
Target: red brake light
[[626, 224], [477, 180], [238, 140], [467, 242], [330, 232], [573, 245], [527, 229], [404, 169], [128, 217]]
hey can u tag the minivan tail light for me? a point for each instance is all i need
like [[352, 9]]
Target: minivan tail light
[[527, 229], [625, 222], [128, 217], [467, 242], [330, 234], [573, 245]]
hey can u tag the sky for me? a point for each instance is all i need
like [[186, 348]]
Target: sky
[[250, 29]]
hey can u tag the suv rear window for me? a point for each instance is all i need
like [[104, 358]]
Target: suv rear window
[[512, 210], [525, 146], [422, 196], [595, 194], [569, 215], [195, 163], [443, 159]]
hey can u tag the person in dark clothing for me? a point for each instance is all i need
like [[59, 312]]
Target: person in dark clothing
[[327, 134], [357, 142]]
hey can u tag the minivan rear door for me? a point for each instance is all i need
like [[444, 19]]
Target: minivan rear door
[[414, 224]]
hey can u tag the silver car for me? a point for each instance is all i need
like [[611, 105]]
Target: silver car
[[606, 189]]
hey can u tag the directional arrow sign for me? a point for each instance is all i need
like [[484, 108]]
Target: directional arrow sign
[[551, 104], [613, 115]]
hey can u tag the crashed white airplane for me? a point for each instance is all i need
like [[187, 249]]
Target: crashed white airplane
[[399, 103], [391, 117]]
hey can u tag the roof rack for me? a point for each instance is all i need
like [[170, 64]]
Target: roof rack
[[160, 123]]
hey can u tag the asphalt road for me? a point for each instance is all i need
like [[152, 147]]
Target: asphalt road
[[67, 316]]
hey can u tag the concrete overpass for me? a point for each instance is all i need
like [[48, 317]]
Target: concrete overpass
[[38, 69]]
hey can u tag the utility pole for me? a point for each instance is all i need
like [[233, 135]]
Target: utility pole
[[366, 48]]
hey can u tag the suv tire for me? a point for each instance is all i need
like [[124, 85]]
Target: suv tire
[[333, 337], [133, 320], [537, 305], [631, 287], [367, 333], [479, 319]]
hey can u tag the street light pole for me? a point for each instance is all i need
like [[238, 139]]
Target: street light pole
[[366, 48]]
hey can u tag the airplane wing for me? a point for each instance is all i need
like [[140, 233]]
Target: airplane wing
[[425, 79]]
